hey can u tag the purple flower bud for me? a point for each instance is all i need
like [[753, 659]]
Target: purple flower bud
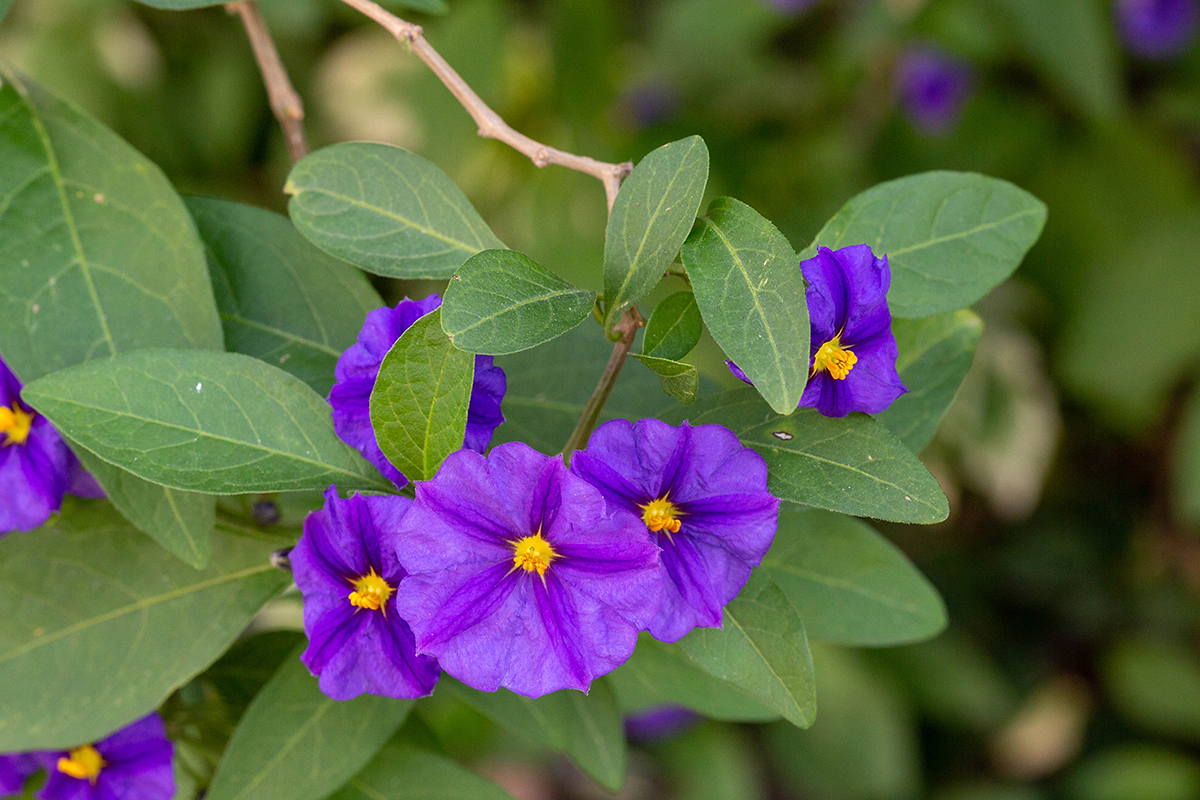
[[1158, 29], [933, 87]]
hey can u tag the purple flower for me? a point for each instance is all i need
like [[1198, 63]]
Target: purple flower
[[706, 498], [36, 466], [345, 566], [132, 764], [659, 722], [1158, 29], [15, 769], [519, 576], [933, 87], [358, 367]]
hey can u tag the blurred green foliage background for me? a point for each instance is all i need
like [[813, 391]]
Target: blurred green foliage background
[[1071, 561]]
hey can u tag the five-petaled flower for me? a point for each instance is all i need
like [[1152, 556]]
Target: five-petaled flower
[[359, 365], [345, 566], [132, 764], [519, 576], [705, 498]]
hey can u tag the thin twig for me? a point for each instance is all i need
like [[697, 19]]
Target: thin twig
[[631, 320], [491, 126], [285, 102]]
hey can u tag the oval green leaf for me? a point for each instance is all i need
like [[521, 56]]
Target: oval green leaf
[[674, 328], [386, 210], [98, 624], [281, 299], [404, 772], [650, 219], [207, 422], [501, 301], [950, 237], [748, 285], [850, 584], [679, 380], [294, 743]]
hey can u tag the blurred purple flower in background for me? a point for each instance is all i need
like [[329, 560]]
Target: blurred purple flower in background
[[1158, 29], [132, 764], [659, 722], [792, 7], [933, 87]]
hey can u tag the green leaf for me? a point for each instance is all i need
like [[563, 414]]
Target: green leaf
[[751, 294], [294, 743], [587, 727], [1135, 771], [850, 464], [761, 648], [950, 237], [419, 403], [659, 674], [98, 255], [935, 354], [206, 422], [679, 380], [851, 585], [1155, 685], [674, 328], [650, 219], [281, 299], [182, 522], [5, 5], [98, 624], [388, 211], [404, 772], [502, 302]]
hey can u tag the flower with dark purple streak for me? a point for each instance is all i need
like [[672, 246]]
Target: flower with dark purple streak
[[15, 770], [132, 764], [519, 576], [358, 367], [36, 466], [933, 87], [1158, 29], [703, 496], [345, 567]]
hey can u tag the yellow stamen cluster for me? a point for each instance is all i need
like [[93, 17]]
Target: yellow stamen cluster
[[835, 357], [84, 762], [370, 592], [15, 423], [533, 553], [661, 515]]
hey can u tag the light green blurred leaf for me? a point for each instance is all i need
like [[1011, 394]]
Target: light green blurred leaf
[[1156, 685], [679, 380], [294, 743], [950, 237], [201, 421], [762, 649], [650, 219], [281, 299], [386, 210], [1135, 772], [403, 772], [98, 624], [713, 762], [5, 5], [850, 584], [751, 294], [500, 301], [419, 403], [674, 328]]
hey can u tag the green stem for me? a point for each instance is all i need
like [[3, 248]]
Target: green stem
[[631, 320]]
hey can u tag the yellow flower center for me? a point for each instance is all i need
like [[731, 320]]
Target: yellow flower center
[[835, 357], [533, 553], [84, 762], [15, 423], [661, 515], [370, 592]]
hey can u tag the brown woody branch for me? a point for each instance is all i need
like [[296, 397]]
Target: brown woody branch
[[285, 102]]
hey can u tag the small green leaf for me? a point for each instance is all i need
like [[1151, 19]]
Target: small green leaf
[[294, 743], [502, 302], [935, 354], [679, 380], [850, 464], [386, 210], [1141, 770], [419, 403], [281, 299], [674, 328], [98, 624], [1155, 685], [587, 727], [220, 423], [650, 219], [403, 772], [949, 237], [751, 294], [761, 647], [659, 674], [851, 585]]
